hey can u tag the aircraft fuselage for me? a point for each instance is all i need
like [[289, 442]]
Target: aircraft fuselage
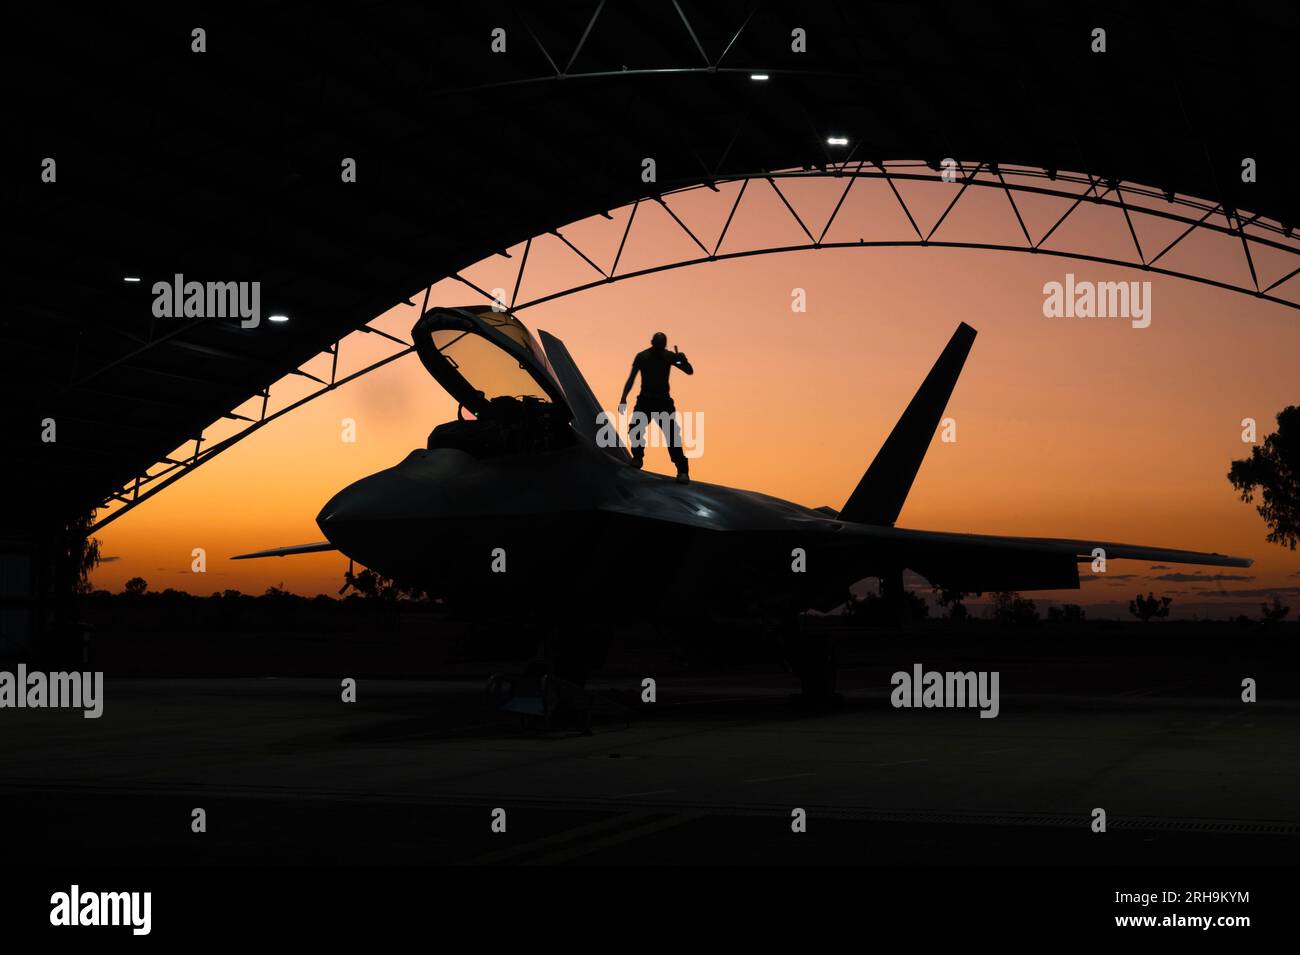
[[571, 525]]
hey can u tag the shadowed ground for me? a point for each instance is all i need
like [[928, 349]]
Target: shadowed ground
[[410, 773]]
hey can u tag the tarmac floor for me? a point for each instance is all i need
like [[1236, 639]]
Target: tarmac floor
[[712, 771]]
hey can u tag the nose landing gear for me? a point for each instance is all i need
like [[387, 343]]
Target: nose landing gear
[[552, 688]]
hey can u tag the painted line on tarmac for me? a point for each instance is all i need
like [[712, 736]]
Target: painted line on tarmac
[[649, 792], [775, 779], [618, 838], [560, 838]]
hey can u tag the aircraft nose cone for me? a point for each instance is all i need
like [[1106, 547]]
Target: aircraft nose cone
[[342, 507], [369, 521], [373, 517], [352, 505], [365, 507], [353, 519]]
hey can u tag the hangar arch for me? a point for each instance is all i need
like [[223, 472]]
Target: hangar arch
[[1129, 225]]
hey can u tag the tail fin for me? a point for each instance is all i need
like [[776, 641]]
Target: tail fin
[[582, 401], [880, 494]]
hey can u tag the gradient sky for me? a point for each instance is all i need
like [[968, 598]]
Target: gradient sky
[[1065, 427]]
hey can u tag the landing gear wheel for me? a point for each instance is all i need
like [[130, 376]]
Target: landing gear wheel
[[817, 671], [810, 656]]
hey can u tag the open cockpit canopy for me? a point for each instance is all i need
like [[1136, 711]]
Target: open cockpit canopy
[[485, 358]]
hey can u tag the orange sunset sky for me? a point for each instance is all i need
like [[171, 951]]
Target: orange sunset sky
[[1065, 426]]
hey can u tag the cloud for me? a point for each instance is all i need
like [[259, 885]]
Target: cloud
[[1187, 607], [1201, 578], [1257, 592], [1159, 567], [109, 560]]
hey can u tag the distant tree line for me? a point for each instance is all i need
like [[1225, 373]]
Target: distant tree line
[[1011, 609]]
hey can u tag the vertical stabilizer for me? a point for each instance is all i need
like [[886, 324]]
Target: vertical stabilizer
[[880, 494]]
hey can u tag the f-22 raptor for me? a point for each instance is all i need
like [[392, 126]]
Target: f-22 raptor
[[525, 505]]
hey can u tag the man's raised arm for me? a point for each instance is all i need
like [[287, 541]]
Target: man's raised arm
[[680, 361]]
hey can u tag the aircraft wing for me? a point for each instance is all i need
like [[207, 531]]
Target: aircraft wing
[[982, 562], [288, 551]]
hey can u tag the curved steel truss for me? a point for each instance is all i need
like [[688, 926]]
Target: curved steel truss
[[1138, 209], [1151, 230]]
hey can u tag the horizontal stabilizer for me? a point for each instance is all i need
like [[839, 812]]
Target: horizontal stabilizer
[[288, 551], [879, 496]]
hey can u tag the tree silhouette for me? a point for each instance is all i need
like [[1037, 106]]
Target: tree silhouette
[[136, 585], [1067, 613], [76, 555], [1274, 468], [375, 586], [952, 601], [1275, 612], [1011, 609], [1144, 608]]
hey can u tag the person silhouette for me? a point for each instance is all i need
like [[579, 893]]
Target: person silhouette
[[654, 402]]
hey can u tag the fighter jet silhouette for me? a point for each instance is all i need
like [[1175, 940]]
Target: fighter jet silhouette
[[528, 504]]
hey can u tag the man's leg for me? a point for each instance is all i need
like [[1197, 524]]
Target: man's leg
[[672, 430], [636, 428]]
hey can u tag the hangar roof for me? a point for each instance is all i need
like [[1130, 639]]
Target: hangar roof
[[225, 165]]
